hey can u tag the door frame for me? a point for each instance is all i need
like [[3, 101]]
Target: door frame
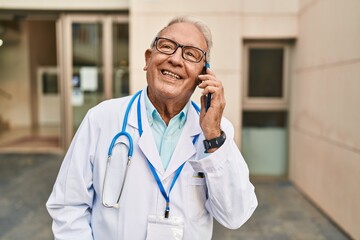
[[265, 104]]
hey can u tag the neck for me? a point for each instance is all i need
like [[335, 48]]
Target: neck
[[168, 108]]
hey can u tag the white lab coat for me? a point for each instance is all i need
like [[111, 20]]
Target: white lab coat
[[75, 203]]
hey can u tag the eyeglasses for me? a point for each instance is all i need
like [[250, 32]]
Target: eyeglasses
[[169, 47]]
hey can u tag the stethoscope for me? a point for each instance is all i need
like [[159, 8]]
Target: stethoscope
[[124, 133]]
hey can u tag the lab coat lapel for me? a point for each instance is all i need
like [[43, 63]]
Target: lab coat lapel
[[148, 147], [185, 148], [146, 141]]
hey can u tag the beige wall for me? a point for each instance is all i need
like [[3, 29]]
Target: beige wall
[[230, 23], [65, 4], [269, 19], [325, 109]]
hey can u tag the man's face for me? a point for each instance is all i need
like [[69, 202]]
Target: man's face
[[170, 77]]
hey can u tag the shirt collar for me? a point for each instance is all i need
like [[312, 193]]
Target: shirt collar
[[151, 112]]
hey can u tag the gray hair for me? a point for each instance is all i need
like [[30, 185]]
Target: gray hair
[[203, 28]]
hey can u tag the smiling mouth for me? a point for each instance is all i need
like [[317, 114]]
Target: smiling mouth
[[170, 74]]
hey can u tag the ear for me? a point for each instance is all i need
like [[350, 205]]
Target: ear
[[147, 58]]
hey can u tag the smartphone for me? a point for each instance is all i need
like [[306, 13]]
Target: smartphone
[[208, 96]]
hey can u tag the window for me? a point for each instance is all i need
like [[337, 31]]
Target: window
[[265, 80]]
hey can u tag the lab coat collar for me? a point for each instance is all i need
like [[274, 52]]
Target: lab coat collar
[[146, 141], [184, 150]]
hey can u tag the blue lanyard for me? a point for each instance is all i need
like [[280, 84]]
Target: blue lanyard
[[153, 171], [161, 187]]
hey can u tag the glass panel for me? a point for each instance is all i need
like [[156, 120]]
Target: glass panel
[[264, 119], [29, 94], [264, 139], [49, 83], [121, 59], [265, 72], [87, 81]]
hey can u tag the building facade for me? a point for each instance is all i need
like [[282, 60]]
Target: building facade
[[290, 71]]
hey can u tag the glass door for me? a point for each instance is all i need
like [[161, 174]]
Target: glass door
[[87, 80], [94, 64]]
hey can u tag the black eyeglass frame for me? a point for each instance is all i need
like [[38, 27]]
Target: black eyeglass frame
[[176, 48]]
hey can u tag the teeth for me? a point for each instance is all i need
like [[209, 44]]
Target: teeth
[[171, 74]]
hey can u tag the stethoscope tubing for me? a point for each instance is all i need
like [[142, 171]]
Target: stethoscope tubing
[[123, 129], [130, 151]]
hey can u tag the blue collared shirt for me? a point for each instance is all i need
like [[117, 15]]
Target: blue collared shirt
[[166, 137]]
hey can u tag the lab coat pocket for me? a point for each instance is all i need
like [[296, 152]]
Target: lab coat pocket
[[197, 196]]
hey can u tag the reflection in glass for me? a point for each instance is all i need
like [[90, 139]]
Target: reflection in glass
[[87, 81]]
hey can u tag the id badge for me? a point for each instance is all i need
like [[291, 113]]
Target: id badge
[[160, 228]]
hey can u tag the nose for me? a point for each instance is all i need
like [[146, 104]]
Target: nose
[[176, 57]]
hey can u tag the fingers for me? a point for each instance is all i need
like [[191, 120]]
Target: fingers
[[210, 119], [211, 88], [209, 83]]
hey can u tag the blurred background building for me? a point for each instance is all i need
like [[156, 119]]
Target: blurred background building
[[291, 71]]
